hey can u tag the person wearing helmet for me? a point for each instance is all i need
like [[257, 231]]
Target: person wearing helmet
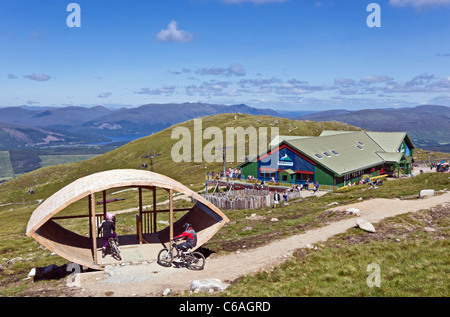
[[190, 235], [108, 227]]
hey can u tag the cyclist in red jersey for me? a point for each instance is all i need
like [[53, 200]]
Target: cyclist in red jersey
[[190, 235]]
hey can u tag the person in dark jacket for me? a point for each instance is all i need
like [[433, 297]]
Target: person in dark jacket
[[109, 230]]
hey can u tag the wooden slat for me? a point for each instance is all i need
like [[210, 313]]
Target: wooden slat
[[94, 228]]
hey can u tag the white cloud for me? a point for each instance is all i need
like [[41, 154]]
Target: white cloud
[[258, 82], [173, 34], [375, 79], [419, 4], [37, 35], [234, 69], [167, 90], [211, 88], [105, 95], [38, 77]]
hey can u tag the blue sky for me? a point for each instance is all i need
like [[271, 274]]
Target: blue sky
[[289, 55]]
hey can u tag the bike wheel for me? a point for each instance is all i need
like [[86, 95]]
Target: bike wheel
[[115, 250], [195, 261], [165, 258]]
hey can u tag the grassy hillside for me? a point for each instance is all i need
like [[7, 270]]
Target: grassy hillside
[[20, 253], [308, 274], [46, 181]]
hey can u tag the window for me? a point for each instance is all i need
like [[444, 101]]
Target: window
[[327, 154], [318, 155], [360, 147], [360, 143], [335, 153]]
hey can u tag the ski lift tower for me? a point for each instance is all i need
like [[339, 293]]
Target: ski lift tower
[[151, 156], [224, 151]]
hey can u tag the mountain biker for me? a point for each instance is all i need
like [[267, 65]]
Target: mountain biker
[[191, 238], [109, 230]]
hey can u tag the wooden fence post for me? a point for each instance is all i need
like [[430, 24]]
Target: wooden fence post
[[94, 226]]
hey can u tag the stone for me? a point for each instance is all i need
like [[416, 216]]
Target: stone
[[352, 211], [365, 225], [426, 192], [167, 291], [32, 272], [208, 285], [274, 219]]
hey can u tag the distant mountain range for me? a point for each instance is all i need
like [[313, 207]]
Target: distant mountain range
[[156, 117], [427, 125], [31, 126]]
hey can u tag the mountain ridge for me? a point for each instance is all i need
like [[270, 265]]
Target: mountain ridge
[[427, 125]]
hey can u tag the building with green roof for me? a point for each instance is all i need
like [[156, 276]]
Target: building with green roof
[[333, 159]]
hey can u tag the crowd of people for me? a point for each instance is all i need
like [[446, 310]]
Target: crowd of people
[[229, 173]]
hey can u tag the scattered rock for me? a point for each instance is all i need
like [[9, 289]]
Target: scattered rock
[[429, 229], [208, 285], [274, 219], [167, 291], [365, 225], [333, 203], [312, 247], [352, 211], [426, 192], [32, 272], [255, 217]]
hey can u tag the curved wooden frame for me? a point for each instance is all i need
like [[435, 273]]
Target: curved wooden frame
[[206, 218]]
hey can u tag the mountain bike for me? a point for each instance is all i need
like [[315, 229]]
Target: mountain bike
[[114, 247], [192, 260]]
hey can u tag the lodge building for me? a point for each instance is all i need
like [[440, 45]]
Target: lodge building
[[334, 159]]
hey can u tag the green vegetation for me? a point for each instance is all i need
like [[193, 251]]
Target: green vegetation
[[410, 260], [24, 161], [16, 162], [332, 270], [6, 169], [50, 160]]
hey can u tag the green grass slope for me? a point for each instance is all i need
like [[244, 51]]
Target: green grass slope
[[48, 180]]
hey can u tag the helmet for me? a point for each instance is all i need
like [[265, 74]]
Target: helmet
[[109, 216], [187, 226]]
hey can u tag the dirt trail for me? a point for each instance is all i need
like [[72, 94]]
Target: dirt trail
[[151, 279]]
